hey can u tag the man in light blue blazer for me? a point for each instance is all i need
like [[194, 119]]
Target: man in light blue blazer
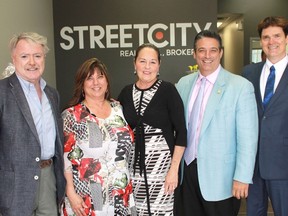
[[226, 135]]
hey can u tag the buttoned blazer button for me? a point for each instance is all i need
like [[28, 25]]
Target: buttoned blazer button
[[37, 159], [36, 177]]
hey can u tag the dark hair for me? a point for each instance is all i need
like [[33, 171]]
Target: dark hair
[[85, 70], [149, 45], [273, 21], [209, 34]]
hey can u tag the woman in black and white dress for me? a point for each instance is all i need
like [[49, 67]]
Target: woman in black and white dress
[[154, 110]]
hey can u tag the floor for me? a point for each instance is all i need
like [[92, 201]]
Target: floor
[[242, 211]]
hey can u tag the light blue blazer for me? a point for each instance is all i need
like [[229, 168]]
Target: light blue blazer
[[228, 137]]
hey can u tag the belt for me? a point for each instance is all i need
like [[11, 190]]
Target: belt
[[45, 163]]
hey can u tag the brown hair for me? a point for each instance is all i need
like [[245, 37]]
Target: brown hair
[[85, 70], [148, 45], [273, 21]]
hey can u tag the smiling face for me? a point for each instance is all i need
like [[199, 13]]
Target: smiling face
[[274, 41], [95, 85], [207, 55], [29, 60], [147, 66]]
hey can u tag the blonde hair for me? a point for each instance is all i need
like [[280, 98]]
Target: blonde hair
[[32, 36]]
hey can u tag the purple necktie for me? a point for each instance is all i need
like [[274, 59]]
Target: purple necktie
[[193, 124]]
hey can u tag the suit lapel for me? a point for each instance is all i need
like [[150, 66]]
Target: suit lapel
[[256, 80], [23, 105], [54, 106], [53, 103], [214, 99], [187, 92]]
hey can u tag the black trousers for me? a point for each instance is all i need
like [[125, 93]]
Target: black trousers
[[189, 200]]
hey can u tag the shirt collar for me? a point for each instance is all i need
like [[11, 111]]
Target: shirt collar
[[280, 64], [28, 85], [211, 77]]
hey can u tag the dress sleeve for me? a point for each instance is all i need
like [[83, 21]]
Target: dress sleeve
[[69, 137], [177, 116]]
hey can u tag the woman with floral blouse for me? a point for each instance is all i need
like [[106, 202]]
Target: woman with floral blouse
[[97, 144]]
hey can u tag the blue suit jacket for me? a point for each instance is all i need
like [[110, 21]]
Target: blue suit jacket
[[272, 159], [228, 136]]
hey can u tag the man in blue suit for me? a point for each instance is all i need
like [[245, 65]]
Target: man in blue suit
[[271, 171], [226, 134]]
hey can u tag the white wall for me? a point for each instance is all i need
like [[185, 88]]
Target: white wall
[[27, 15], [233, 43]]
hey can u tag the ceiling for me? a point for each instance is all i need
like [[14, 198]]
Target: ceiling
[[226, 18]]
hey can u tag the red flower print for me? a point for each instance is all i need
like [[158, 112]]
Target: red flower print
[[124, 193], [69, 142], [88, 167]]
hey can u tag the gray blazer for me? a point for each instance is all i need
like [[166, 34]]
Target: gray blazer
[[20, 149]]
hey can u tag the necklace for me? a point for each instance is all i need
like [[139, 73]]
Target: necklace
[[101, 110]]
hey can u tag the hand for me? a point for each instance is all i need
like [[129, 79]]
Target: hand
[[77, 204], [240, 190], [171, 181]]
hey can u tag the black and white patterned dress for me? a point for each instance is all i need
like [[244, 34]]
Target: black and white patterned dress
[[156, 116]]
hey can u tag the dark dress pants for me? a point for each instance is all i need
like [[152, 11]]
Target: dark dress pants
[[259, 193], [189, 200]]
